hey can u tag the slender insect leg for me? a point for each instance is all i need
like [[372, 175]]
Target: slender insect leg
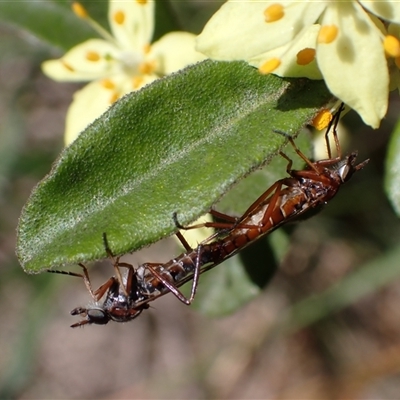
[[289, 160], [196, 265], [85, 277], [275, 191], [205, 241], [115, 262], [151, 267], [297, 150], [86, 280], [183, 241], [223, 216], [56, 271], [170, 286], [261, 199], [131, 278], [216, 225], [97, 294], [235, 223], [196, 274], [333, 126], [271, 206]]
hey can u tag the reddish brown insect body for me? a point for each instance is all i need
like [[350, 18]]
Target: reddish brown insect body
[[286, 200], [121, 295]]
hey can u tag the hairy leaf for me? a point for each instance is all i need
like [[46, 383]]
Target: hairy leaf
[[177, 146]]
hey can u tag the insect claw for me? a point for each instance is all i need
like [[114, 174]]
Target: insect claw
[[176, 222], [285, 134]]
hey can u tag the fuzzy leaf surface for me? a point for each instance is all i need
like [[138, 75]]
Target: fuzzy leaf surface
[[177, 146]]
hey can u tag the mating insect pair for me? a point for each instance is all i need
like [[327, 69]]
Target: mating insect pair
[[286, 200]]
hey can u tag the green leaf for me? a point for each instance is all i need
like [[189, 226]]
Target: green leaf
[[51, 21], [392, 177], [175, 146]]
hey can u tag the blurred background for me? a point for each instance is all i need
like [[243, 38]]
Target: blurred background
[[326, 326]]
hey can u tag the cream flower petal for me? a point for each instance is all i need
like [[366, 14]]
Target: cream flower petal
[[388, 10], [350, 62], [87, 61], [174, 51], [238, 30], [132, 23], [288, 56]]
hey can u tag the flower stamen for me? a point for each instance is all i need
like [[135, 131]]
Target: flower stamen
[[79, 10], [322, 119], [305, 56], [392, 46], [274, 12], [92, 56], [119, 17], [269, 66], [147, 67], [108, 84], [327, 34]]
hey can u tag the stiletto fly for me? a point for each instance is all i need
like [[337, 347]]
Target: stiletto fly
[[286, 200], [121, 295]]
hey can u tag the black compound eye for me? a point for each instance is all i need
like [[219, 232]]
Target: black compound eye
[[97, 316]]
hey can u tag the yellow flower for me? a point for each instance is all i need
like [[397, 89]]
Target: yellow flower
[[343, 42], [118, 63]]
